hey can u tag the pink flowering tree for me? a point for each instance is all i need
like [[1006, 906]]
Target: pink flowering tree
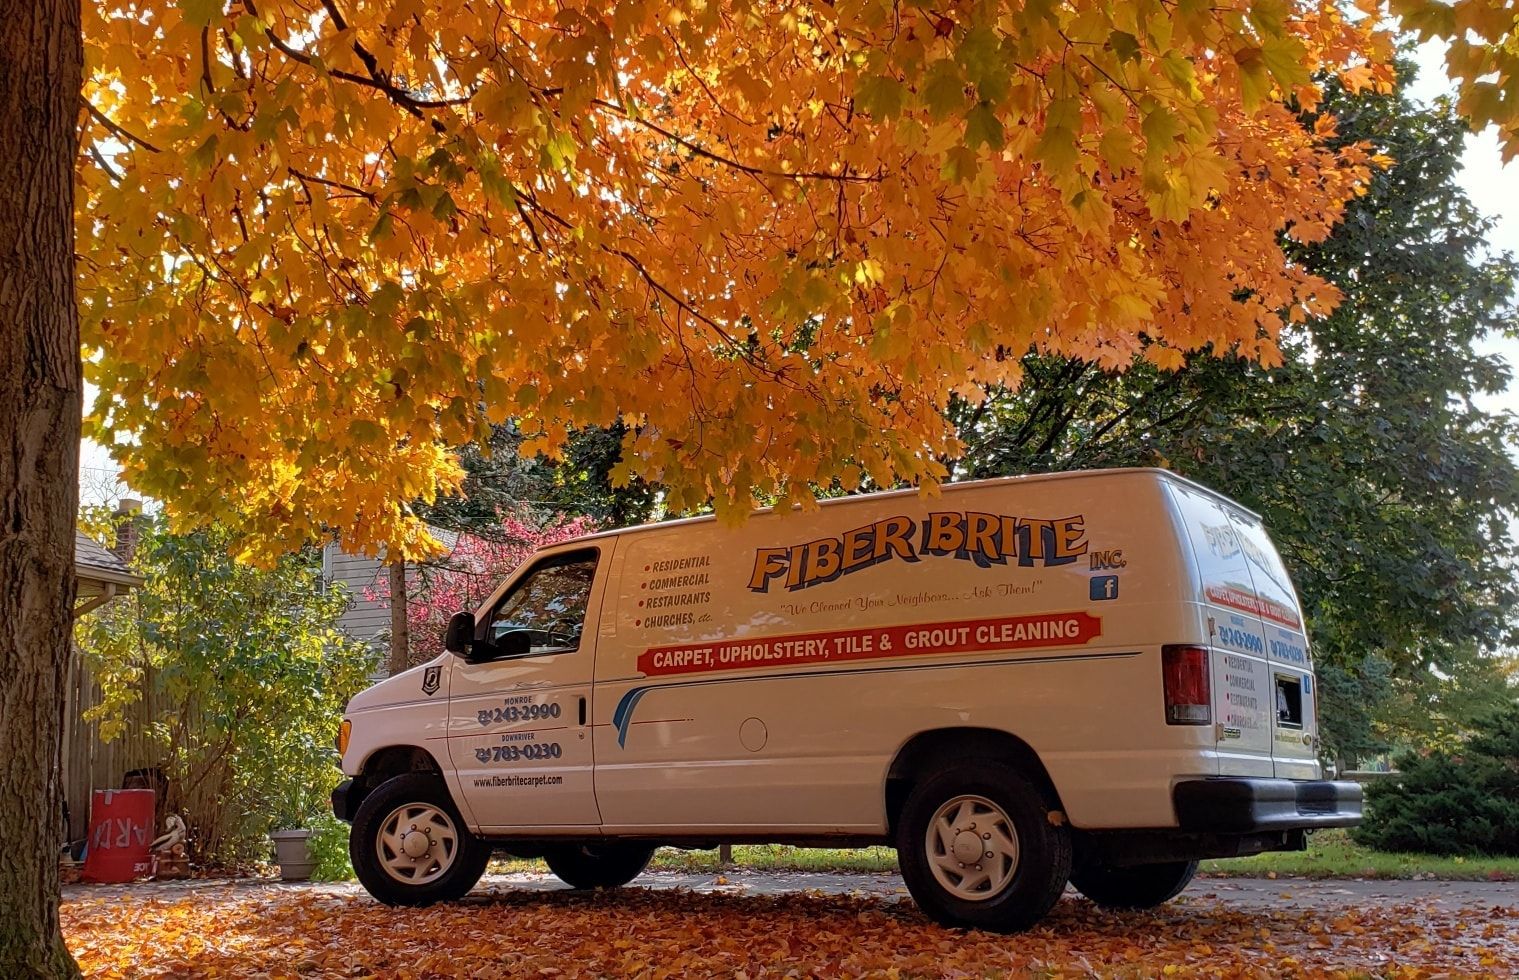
[[461, 579]]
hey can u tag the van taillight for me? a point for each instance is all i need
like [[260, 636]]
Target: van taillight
[[1188, 699]]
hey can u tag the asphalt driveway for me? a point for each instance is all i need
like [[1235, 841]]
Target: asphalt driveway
[[1246, 893]]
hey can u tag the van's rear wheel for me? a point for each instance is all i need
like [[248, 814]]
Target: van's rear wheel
[[598, 865], [409, 845], [1140, 886], [978, 848]]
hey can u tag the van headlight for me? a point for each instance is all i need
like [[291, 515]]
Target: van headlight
[[344, 730]]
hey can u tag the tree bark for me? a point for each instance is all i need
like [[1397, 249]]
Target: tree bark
[[40, 75], [400, 630]]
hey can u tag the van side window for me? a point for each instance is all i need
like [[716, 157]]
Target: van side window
[[549, 603]]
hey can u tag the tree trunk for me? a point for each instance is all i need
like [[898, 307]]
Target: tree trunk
[[400, 631], [40, 59]]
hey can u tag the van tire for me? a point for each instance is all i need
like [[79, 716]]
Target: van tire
[[1043, 847], [465, 854], [1140, 886], [585, 866]]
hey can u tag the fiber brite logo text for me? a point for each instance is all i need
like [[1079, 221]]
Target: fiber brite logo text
[[986, 539]]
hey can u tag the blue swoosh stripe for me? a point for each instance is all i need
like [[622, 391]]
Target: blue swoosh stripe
[[622, 717]]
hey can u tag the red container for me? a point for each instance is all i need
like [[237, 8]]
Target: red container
[[121, 828]]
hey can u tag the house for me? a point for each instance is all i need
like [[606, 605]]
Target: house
[[101, 575]]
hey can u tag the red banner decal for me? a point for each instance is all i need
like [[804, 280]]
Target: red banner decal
[[1226, 595], [965, 636]]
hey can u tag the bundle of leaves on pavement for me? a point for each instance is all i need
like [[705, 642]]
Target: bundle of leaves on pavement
[[1459, 802]]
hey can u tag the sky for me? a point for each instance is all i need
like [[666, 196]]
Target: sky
[[1493, 188]]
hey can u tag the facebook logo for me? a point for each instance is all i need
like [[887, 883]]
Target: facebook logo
[[1104, 587]]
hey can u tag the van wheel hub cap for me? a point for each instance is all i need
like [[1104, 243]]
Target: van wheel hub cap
[[967, 847], [417, 843], [972, 848]]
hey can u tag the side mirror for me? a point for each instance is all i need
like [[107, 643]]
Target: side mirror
[[461, 633]]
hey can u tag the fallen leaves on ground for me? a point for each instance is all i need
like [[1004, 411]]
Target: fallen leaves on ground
[[247, 931]]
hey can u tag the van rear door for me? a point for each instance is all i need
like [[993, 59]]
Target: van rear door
[[1294, 718], [1241, 675]]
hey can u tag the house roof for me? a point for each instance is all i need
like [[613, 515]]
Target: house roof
[[95, 567]]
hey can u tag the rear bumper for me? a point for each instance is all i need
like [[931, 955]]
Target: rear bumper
[[1242, 806], [344, 801]]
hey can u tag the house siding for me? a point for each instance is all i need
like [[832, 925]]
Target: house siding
[[365, 580]]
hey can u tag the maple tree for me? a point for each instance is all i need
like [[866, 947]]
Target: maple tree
[[322, 241], [39, 465], [325, 242], [796, 229]]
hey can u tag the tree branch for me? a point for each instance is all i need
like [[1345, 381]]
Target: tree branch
[[116, 130], [369, 196], [377, 79], [105, 164], [728, 162]]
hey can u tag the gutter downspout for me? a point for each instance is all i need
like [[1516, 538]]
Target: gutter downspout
[[89, 605]]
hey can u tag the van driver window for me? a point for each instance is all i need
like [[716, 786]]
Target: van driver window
[[550, 604]]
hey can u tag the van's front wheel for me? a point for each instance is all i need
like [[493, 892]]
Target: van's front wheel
[[978, 848], [598, 865], [1140, 886], [409, 845]]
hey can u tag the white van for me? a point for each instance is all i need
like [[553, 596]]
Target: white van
[[1097, 677]]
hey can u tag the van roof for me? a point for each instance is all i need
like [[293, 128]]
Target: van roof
[[943, 487]]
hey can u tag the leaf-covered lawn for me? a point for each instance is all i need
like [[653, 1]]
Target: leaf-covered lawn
[[241, 931]]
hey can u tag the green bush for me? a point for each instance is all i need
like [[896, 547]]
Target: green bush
[[235, 678], [1460, 802], [329, 849]]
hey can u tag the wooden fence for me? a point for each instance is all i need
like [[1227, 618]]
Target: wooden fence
[[85, 762]]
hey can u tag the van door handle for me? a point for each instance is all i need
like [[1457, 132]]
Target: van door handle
[[582, 710]]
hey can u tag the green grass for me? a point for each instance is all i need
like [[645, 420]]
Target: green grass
[[750, 857], [783, 857], [1330, 854]]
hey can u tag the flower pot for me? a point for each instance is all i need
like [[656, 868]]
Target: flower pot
[[293, 854]]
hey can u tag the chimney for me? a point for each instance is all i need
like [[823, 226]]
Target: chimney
[[128, 528]]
